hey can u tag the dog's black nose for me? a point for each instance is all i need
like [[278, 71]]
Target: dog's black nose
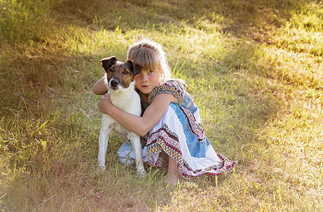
[[114, 83]]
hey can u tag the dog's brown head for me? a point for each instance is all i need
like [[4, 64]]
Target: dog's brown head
[[120, 74]]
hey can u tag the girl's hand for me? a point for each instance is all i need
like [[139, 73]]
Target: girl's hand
[[105, 103]]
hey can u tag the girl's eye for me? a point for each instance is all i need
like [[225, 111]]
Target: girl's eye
[[151, 72]]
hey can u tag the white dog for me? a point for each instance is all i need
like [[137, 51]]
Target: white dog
[[121, 87]]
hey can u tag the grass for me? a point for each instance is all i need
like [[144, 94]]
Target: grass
[[253, 67]]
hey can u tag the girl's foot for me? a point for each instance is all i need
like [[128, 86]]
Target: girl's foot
[[173, 176], [172, 179]]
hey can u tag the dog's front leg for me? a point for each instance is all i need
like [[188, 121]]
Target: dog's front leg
[[103, 145], [136, 146]]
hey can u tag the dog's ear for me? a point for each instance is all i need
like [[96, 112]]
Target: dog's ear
[[136, 68], [106, 63]]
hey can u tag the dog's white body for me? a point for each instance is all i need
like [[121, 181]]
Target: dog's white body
[[128, 100]]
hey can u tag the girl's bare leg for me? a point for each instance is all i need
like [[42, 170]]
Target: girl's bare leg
[[173, 176]]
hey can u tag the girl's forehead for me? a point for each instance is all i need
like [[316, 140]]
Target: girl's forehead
[[151, 69], [150, 66]]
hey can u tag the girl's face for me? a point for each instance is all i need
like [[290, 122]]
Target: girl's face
[[147, 80]]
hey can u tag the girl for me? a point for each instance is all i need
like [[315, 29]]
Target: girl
[[170, 121]]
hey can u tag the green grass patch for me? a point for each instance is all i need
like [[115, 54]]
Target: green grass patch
[[253, 67]]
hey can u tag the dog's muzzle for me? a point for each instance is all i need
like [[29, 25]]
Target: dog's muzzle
[[114, 83]]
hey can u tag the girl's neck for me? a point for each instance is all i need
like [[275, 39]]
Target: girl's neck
[[144, 98], [144, 102]]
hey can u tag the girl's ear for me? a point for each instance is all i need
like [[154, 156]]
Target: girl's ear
[[106, 63], [136, 68]]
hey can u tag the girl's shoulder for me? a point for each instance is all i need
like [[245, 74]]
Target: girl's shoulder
[[171, 87]]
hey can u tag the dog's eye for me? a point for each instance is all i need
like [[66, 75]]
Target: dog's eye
[[126, 72], [111, 69]]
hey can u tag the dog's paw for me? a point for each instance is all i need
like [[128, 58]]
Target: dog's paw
[[142, 173], [102, 168]]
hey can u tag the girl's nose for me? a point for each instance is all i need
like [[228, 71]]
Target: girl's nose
[[144, 77]]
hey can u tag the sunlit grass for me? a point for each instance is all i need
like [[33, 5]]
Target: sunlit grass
[[253, 67]]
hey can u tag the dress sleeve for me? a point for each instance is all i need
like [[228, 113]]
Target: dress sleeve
[[170, 87]]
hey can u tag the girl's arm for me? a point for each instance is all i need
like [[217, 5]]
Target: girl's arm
[[139, 125], [100, 88]]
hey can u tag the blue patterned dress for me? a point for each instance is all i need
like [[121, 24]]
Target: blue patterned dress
[[179, 133]]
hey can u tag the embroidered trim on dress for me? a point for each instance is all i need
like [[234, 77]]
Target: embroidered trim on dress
[[168, 87], [165, 140], [195, 128], [226, 165]]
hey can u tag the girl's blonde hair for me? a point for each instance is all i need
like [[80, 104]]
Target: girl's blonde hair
[[151, 56]]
